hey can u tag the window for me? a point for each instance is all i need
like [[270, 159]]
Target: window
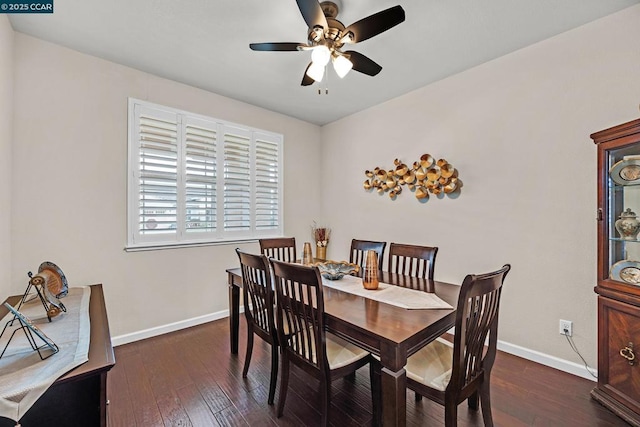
[[194, 179]]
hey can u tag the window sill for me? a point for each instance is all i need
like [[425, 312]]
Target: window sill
[[159, 247]]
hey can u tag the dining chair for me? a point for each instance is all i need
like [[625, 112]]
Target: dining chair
[[359, 248], [281, 248], [415, 261], [448, 373], [412, 260], [259, 310], [300, 310]]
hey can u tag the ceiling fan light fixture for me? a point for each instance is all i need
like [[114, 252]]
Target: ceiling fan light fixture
[[342, 65], [316, 71], [347, 38], [320, 55]]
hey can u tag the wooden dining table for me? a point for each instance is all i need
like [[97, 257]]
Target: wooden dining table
[[391, 332]]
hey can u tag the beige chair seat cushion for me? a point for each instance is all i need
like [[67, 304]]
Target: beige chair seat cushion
[[339, 352], [431, 365], [285, 325]]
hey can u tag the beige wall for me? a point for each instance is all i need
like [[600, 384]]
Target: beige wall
[[517, 129], [69, 202], [6, 135]]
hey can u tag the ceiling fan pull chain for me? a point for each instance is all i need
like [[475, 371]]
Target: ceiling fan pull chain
[[325, 78], [326, 73]]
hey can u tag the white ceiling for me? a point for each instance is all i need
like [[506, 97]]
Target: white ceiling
[[205, 43]]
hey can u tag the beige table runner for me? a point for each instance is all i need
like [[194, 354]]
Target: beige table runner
[[23, 376], [411, 299]]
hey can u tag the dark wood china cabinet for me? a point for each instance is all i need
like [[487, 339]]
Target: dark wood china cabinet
[[618, 286]]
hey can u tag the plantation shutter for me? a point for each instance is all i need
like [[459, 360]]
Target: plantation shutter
[[267, 182], [198, 180], [200, 176], [237, 180], [157, 171]]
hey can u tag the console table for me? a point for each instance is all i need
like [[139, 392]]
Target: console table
[[78, 398]]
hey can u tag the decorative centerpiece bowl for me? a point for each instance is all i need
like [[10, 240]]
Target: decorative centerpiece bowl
[[336, 270]]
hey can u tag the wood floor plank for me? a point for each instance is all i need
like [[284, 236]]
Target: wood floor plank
[[166, 376], [143, 401], [166, 359], [230, 417], [190, 377], [117, 380], [196, 408], [173, 413], [213, 395], [255, 386], [349, 401]]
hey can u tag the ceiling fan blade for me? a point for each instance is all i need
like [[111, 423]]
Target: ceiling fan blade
[[312, 13], [306, 80], [276, 46], [362, 63], [375, 24]]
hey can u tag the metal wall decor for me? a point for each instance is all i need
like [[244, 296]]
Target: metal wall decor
[[424, 177]]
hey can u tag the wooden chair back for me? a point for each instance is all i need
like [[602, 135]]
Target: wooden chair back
[[257, 292], [412, 260], [282, 248], [476, 319], [300, 309], [359, 248]]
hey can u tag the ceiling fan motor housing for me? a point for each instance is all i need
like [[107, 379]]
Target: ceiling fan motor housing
[[330, 9], [335, 30]]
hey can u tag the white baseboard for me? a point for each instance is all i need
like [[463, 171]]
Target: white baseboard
[[516, 350], [171, 327], [547, 360]]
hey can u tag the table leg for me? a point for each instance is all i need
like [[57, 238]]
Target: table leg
[[393, 383], [234, 316], [394, 397]]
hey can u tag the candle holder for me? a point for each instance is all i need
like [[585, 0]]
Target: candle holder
[[307, 256]]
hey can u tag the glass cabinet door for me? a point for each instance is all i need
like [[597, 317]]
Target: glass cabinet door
[[623, 222]]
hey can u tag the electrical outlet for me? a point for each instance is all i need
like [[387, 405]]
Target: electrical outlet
[[566, 327]]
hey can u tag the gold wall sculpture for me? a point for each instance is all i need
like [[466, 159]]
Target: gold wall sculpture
[[426, 176]]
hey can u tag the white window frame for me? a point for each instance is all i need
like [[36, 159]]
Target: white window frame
[[138, 239]]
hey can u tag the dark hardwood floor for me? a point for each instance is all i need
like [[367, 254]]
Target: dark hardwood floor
[[189, 378]]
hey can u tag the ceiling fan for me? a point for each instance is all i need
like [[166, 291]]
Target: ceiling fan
[[327, 36]]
